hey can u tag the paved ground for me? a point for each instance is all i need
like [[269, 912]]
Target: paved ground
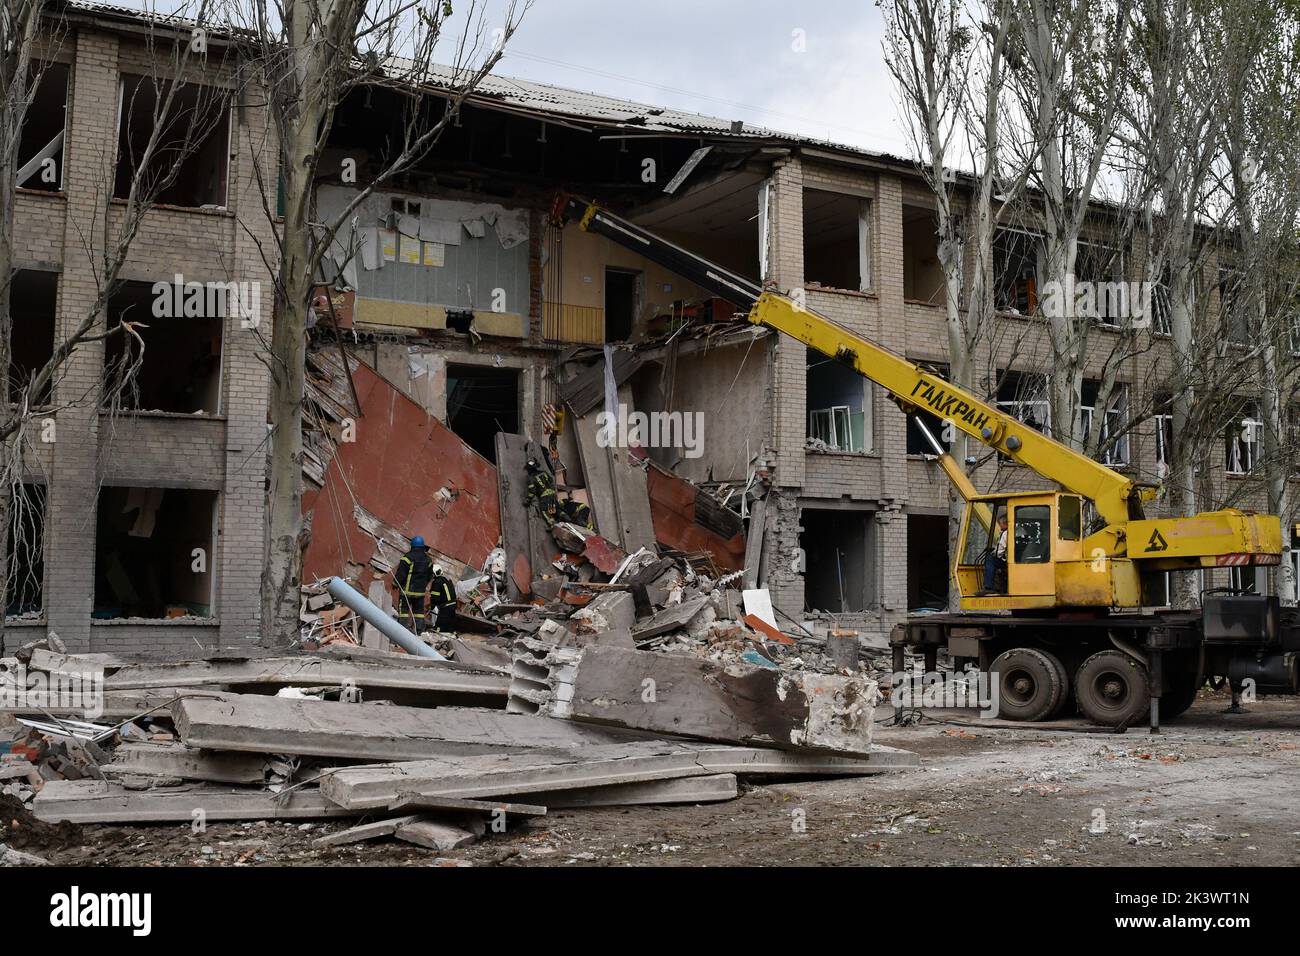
[[1212, 789]]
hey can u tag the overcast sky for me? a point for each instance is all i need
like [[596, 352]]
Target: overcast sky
[[737, 59], [801, 66]]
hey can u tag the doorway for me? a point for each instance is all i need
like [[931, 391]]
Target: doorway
[[622, 295]]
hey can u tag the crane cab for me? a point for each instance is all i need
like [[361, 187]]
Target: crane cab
[[1032, 550]]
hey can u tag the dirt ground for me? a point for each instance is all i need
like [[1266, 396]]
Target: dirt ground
[[1212, 789]]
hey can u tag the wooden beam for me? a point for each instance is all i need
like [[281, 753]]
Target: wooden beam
[[522, 773], [707, 789], [100, 801]]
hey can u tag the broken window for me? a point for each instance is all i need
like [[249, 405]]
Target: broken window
[[836, 240], [26, 565], [838, 572], [32, 302], [1016, 264], [927, 562], [1100, 290], [40, 151], [1164, 426], [1114, 430], [154, 553], [175, 363], [189, 163], [1162, 304], [481, 401], [622, 303], [916, 442], [1023, 395], [1242, 439], [838, 406], [923, 279], [1233, 310]]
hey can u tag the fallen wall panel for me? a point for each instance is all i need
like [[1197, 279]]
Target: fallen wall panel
[[383, 487], [375, 732], [734, 703]]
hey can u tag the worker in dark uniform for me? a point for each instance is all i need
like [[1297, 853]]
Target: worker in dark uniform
[[442, 599], [412, 576], [576, 512], [541, 491]]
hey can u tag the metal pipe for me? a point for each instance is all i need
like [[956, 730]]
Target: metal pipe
[[340, 590]]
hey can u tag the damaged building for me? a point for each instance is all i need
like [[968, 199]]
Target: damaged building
[[461, 288], [468, 326], [143, 516]]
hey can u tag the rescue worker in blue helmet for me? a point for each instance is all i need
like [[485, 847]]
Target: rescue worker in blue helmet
[[412, 576]]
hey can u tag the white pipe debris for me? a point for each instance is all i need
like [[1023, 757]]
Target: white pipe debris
[[341, 591]]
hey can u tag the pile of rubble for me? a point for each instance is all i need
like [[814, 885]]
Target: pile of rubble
[[637, 665], [655, 686]]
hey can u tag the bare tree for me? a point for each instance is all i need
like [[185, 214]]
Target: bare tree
[[1070, 83], [1169, 140], [949, 70], [28, 32], [1261, 140], [307, 56]]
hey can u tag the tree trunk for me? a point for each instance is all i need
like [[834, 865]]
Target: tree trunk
[[283, 574]]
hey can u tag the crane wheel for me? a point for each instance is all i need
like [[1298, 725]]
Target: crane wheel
[[1184, 677], [1029, 684], [1064, 676], [1112, 688]]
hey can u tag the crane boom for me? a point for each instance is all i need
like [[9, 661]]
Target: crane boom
[[1117, 498]]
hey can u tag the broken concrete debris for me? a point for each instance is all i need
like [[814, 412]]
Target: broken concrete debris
[[604, 664], [734, 702]]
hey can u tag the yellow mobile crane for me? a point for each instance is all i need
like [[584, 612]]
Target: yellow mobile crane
[[1070, 572]]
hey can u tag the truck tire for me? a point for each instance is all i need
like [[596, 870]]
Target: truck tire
[[1184, 678], [1029, 684], [1064, 676], [1112, 688]]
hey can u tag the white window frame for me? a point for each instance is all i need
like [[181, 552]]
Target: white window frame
[[1164, 435], [1243, 454], [1016, 409], [1117, 454], [836, 418]]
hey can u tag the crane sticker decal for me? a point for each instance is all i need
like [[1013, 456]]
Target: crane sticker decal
[[1157, 542]]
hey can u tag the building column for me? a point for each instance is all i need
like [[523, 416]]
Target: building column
[[89, 153]]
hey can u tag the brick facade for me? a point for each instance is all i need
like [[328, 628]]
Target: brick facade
[[222, 452], [885, 479]]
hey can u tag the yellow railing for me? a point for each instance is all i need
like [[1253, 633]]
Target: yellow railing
[[573, 323]]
